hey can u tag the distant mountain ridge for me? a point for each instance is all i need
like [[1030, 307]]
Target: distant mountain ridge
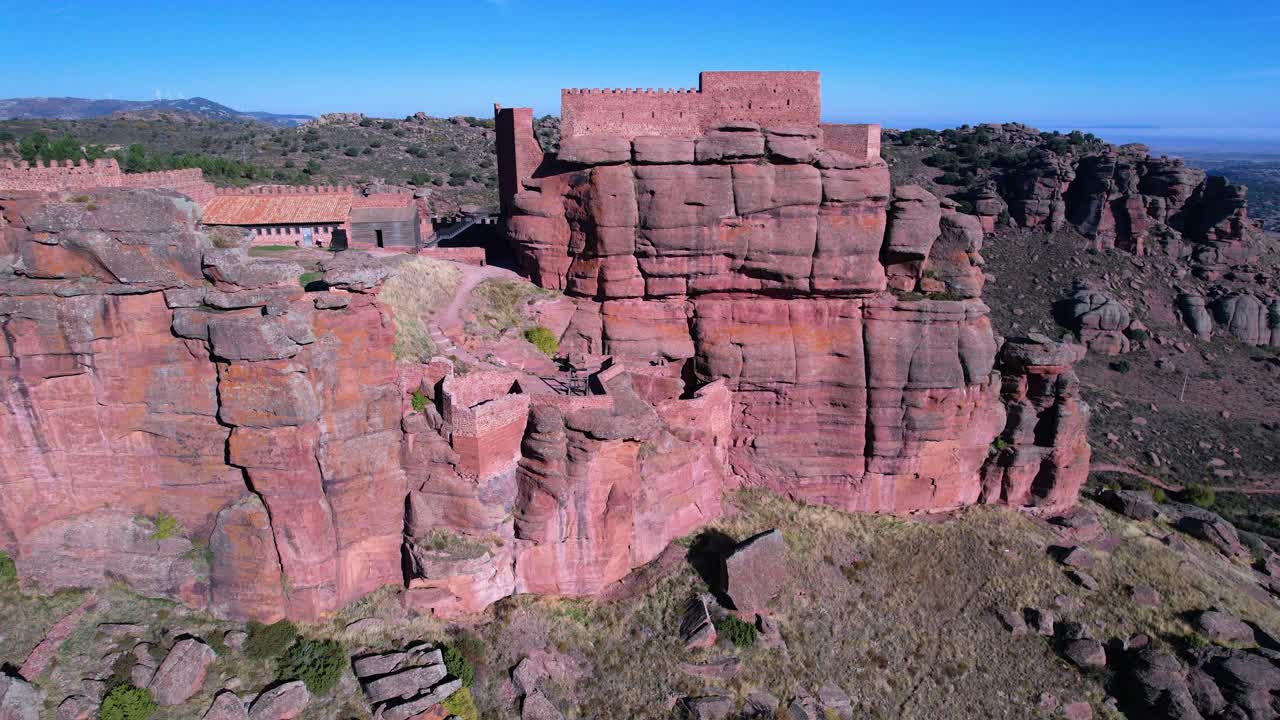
[[70, 108]]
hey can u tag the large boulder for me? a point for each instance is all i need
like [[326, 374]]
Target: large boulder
[[226, 706], [282, 702], [19, 699], [182, 672], [1097, 318], [756, 570], [1222, 627], [1130, 503]]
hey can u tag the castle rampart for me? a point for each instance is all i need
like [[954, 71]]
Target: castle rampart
[[779, 102], [103, 173], [775, 99]]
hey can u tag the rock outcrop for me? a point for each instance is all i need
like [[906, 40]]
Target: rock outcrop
[[1098, 319], [1121, 197], [843, 316], [160, 393]]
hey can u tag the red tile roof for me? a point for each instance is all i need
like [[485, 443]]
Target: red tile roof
[[278, 209]]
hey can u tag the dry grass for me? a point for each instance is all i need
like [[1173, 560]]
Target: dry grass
[[418, 289], [496, 306], [897, 612]]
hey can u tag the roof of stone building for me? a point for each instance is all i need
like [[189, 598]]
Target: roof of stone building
[[382, 200], [383, 214], [278, 209]]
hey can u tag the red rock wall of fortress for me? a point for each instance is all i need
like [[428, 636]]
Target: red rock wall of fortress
[[772, 99], [518, 150], [105, 173], [860, 141]]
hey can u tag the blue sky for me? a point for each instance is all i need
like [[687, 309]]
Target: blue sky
[[921, 63]]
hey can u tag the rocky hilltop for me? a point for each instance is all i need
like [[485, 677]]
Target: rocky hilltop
[[218, 428], [1118, 198], [844, 315]]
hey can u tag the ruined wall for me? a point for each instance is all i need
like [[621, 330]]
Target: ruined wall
[[106, 173], [777, 99], [844, 318]]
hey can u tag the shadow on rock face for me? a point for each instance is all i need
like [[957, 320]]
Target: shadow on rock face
[[707, 555]]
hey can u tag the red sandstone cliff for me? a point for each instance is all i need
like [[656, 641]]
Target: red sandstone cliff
[[844, 316], [149, 377]]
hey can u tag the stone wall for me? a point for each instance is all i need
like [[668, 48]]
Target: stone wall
[[516, 143], [106, 173], [766, 98]]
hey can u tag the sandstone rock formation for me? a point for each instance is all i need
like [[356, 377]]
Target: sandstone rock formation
[[163, 395], [843, 315], [744, 306], [1098, 319], [150, 375], [1121, 197]]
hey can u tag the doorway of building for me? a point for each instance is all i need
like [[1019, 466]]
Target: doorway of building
[[378, 233]]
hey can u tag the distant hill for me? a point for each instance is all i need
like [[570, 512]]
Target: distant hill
[[69, 108]]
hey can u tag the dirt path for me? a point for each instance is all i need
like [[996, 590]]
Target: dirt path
[[472, 275], [1126, 470]]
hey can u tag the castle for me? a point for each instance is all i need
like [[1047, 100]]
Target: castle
[[772, 99]]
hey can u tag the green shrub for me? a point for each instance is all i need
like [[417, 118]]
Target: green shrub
[[307, 278], [1158, 494], [167, 526], [1199, 495], [8, 570], [459, 666], [739, 632], [999, 444], [318, 663], [1121, 366], [419, 401], [544, 339], [461, 705], [126, 702], [1137, 335], [268, 641]]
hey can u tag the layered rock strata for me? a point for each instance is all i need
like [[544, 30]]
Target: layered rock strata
[[162, 397], [844, 316], [190, 420]]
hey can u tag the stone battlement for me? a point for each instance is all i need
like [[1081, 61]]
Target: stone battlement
[[766, 98], [288, 190], [102, 173], [633, 91]]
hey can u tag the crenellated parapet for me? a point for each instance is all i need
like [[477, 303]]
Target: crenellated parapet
[[289, 190], [65, 176], [766, 98]]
